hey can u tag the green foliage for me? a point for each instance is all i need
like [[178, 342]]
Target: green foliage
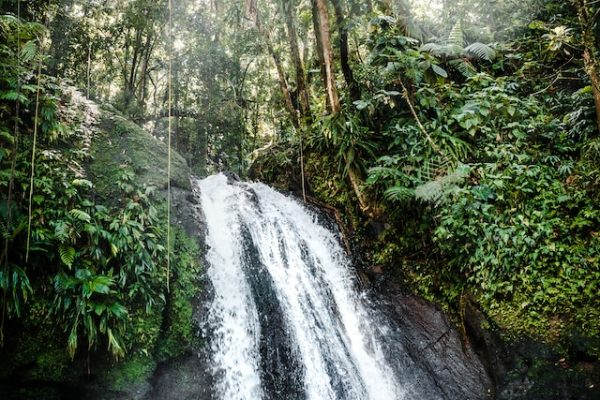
[[89, 262], [454, 53], [134, 370], [526, 240], [483, 160], [180, 335]]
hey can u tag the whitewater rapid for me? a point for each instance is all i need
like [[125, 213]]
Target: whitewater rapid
[[287, 320]]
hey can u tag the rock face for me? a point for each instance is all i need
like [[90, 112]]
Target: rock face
[[184, 378], [119, 142], [435, 344], [428, 338]]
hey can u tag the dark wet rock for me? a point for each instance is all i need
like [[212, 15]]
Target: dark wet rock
[[484, 339], [433, 343], [184, 378], [232, 177]]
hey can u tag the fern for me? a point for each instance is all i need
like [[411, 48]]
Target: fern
[[457, 55], [438, 190], [456, 36], [431, 192], [28, 51], [80, 215], [67, 254], [14, 95], [399, 193], [464, 67], [7, 136], [480, 51]]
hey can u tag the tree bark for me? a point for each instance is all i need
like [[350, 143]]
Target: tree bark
[[355, 182], [303, 96], [252, 13], [315, 21], [344, 58], [324, 31], [590, 58]]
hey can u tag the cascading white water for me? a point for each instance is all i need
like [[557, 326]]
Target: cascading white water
[[286, 319]]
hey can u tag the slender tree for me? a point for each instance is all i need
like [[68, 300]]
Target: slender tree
[[303, 96], [340, 18], [588, 13], [327, 53], [253, 14]]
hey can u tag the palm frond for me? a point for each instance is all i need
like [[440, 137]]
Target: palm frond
[[432, 48]]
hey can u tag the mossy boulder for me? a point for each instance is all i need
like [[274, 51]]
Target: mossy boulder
[[118, 143], [34, 362]]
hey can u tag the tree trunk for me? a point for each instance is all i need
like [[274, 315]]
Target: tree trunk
[[315, 21], [355, 182], [332, 94], [590, 58], [324, 31], [591, 68], [252, 11], [344, 60], [289, 104], [303, 96]]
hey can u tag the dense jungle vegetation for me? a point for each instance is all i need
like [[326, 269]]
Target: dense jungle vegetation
[[458, 141]]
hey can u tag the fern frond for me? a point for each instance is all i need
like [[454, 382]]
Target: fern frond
[[481, 51], [80, 215], [67, 254], [399, 193], [13, 95], [437, 190], [456, 36], [430, 192], [464, 67], [28, 51], [432, 48]]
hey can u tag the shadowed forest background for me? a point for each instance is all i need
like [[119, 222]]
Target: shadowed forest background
[[457, 142]]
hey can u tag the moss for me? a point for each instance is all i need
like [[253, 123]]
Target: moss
[[178, 333], [132, 371], [120, 142], [35, 351]]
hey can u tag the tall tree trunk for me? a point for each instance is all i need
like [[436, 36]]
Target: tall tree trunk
[[288, 11], [315, 21], [344, 60], [324, 31], [61, 24], [142, 84], [332, 95], [590, 56], [252, 13], [287, 97]]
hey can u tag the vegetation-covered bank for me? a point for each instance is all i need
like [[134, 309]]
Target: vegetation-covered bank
[[84, 258], [469, 174]]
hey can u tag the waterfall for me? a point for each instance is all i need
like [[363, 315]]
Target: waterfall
[[286, 319]]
